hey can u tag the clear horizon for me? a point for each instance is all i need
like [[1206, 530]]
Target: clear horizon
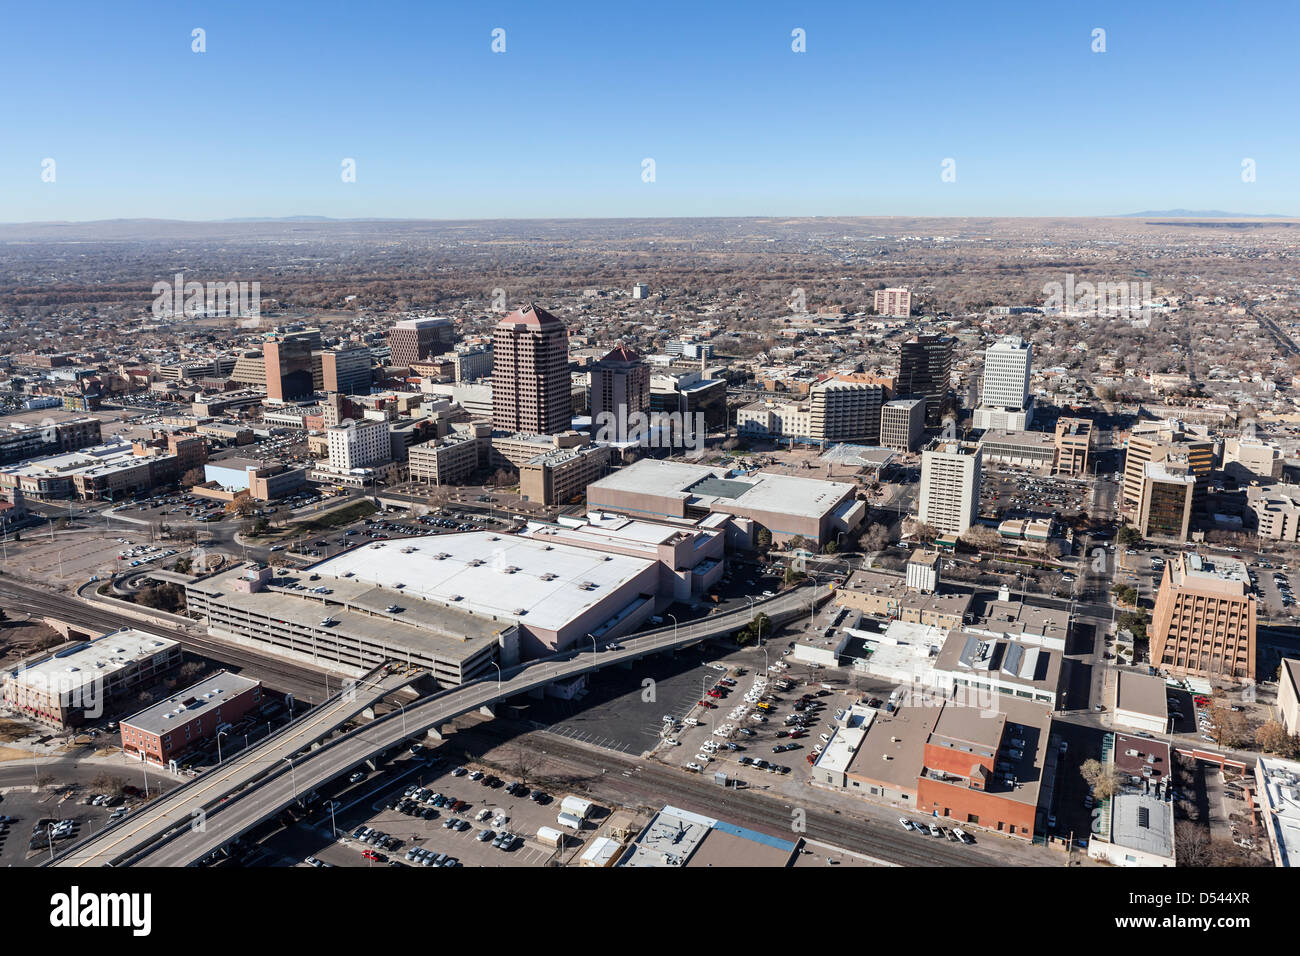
[[738, 124]]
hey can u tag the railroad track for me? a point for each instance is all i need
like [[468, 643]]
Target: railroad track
[[303, 682], [761, 810]]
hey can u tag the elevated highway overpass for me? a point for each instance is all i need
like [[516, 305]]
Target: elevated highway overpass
[[192, 801], [234, 805]]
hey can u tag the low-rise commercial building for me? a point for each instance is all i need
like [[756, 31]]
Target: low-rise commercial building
[[561, 476], [1136, 825], [1073, 445], [165, 731], [886, 595], [1278, 788], [786, 506], [82, 683], [1277, 511], [1140, 702], [1288, 694], [977, 766], [1030, 451]]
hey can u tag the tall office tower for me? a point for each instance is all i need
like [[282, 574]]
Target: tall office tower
[[346, 369], [1006, 373], [356, 444], [1165, 508], [902, 424], [1073, 442], [925, 371], [620, 386], [1204, 620], [950, 486], [288, 359], [1159, 442], [845, 411], [893, 302], [531, 389], [414, 340]]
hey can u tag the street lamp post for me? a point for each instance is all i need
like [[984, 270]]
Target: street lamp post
[[593, 644], [293, 776], [674, 627], [498, 667], [220, 734]]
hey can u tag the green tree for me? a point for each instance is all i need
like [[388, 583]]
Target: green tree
[[1128, 536], [761, 625]]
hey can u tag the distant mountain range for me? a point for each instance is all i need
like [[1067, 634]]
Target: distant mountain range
[[1201, 214]]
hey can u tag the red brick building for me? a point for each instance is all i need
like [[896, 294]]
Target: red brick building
[[168, 729]]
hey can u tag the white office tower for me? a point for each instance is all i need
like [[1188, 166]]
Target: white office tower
[[950, 486], [1004, 394], [356, 444]]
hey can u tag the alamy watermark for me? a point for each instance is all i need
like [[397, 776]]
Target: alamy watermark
[[206, 299], [653, 430], [1130, 300]]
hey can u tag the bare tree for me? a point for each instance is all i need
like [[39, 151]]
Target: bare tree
[[1104, 779]]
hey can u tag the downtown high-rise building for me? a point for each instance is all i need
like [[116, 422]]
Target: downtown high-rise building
[[620, 387], [1006, 373], [531, 387], [893, 302], [925, 371], [1204, 619], [415, 340], [289, 364], [950, 486], [1004, 390]]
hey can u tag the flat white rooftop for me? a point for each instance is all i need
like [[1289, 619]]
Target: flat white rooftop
[[93, 660], [782, 494], [542, 583], [1279, 803]]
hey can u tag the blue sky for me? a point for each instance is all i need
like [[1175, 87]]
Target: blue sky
[[737, 124]]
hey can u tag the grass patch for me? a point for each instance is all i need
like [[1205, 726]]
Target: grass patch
[[13, 730], [346, 515]]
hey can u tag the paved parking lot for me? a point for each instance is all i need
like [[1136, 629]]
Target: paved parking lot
[[615, 713], [368, 803], [29, 808], [753, 738], [1012, 494], [73, 556]]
